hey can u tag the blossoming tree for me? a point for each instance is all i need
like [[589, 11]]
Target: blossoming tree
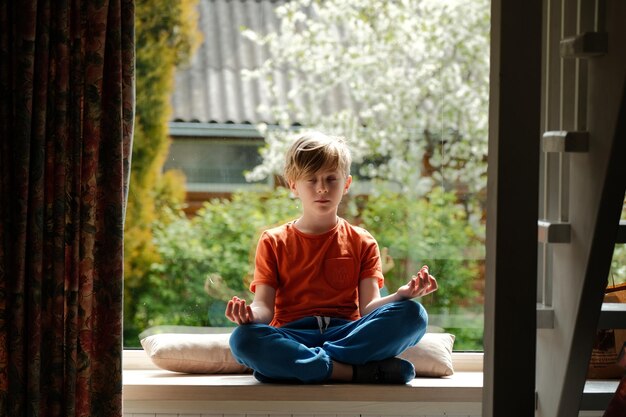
[[412, 76]]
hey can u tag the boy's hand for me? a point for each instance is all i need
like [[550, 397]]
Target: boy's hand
[[420, 285], [238, 312]]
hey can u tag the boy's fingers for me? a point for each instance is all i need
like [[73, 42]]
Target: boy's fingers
[[432, 285], [230, 306], [244, 312], [423, 279], [250, 315], [240, 309], [428, 284], [235, 311]]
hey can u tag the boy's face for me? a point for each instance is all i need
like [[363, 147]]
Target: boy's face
[[321, 192]]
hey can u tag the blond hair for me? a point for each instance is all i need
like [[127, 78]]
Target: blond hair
[[314, 151]]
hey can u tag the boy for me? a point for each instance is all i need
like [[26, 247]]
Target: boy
[[317, 313]]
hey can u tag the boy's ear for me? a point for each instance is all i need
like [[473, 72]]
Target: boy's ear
[[292, 187], [346, 186]]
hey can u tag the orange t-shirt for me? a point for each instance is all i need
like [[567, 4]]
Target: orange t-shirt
[[316, 275]]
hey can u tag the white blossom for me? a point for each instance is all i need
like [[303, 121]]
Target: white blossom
[[414, 78]]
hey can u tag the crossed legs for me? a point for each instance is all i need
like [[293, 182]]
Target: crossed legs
[[301, 352]]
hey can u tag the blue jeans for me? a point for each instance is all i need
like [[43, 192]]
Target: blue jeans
[[304, 350]]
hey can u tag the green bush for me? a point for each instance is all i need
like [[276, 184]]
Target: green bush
[[166, 35], [205, 260], [434, 231]]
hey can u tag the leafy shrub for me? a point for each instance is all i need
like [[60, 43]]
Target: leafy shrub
[[166, 35], [205, 260], [436, 231], [433, 230]]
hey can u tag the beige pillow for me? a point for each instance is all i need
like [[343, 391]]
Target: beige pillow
[[199, 353], [192, 353], [432, 356]]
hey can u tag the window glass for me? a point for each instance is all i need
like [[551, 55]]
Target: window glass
[[213, 164], [617, 274], [405, 82]]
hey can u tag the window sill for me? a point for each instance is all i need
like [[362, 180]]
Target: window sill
[[148, 389], [151, 391]]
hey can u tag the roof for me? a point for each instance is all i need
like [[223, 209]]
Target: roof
[[211, 88]]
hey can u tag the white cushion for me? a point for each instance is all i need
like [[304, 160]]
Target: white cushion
[[201, 353]]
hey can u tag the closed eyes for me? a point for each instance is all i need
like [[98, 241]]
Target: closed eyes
[[314, 180]]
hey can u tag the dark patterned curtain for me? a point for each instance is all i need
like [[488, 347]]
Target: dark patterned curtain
[[66, 123]]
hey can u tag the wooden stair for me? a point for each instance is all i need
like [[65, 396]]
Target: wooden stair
[[583, 175]]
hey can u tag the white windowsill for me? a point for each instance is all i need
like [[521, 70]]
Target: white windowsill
[[148, 389]]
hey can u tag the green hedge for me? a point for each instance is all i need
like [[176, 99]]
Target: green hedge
[[207, 259]]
